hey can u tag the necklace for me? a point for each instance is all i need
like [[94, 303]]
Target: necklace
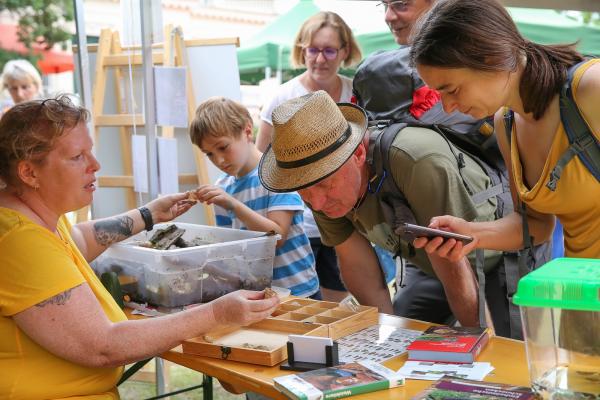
[[368, 189], [358, 204]]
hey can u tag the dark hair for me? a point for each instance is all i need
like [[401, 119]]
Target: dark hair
[[29, 130], [481, 35]]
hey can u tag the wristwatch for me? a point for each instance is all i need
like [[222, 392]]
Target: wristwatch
[[147, 217]]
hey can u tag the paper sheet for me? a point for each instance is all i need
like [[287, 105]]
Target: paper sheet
[[140, 163], [375, 343], [167, 165], [310, 348], [430, 371], [171, 99]]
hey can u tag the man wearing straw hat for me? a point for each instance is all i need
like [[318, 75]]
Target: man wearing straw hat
[[388, 88], [320, 149]]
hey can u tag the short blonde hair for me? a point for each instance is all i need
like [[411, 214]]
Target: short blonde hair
[[318, 21], [18, 70], [219, 116]]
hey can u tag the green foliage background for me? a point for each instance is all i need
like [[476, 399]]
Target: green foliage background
[[40, 21]]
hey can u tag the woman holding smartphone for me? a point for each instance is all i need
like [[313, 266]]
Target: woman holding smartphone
[[520, 82]]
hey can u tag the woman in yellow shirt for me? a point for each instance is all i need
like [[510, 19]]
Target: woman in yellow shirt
[[61, 333], [472, 52]]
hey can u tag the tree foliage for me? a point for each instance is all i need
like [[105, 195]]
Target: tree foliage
[[587, 17], [6, 56], [40, 21], [591, 17]]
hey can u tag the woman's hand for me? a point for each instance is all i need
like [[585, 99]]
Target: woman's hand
[[166, 208], [242, 307], [451, 249], [211, 194]]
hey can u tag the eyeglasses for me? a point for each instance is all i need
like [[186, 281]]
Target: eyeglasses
[[396, 5], [312, 53]]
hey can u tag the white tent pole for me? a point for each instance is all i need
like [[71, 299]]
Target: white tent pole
[[149, 97]]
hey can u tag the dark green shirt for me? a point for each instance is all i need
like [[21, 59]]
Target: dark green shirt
[[426, 171]]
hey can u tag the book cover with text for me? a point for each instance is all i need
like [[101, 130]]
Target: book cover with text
[[449, 387], [448, 344], [339, 381]]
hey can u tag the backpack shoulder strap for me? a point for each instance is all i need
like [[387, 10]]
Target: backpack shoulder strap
[[527, 239], [515, 270], [381, 182], [393, 203], [497, 187], [583, 143]]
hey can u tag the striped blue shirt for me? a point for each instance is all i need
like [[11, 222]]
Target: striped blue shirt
[[294, 263]]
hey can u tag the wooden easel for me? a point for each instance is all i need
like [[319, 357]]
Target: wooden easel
[[110, 55]]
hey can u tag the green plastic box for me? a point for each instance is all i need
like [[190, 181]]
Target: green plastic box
[[560, 309]]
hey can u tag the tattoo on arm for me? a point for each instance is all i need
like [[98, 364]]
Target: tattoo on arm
[[60, 299], [113, 230]]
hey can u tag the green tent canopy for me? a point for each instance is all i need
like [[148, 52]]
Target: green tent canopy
[[549, 27], [271, 47]]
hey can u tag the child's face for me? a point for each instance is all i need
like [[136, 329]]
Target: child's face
[[230, 154]]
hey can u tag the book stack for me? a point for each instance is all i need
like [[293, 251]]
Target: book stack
[[339, 381], [448, 344]]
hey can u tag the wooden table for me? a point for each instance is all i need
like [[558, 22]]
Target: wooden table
[[507, 356]]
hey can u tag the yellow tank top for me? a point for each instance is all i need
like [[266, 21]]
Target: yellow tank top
[[576, 201]]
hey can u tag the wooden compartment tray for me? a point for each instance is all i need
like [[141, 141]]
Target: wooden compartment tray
[[339, 320], [262, 343]]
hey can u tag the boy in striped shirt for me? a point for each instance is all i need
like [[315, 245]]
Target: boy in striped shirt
[[222, 129]]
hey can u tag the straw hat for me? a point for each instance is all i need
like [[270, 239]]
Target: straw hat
[[313, 137]]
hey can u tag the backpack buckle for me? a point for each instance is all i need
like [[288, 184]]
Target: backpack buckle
[[554, 177], [384, 123]]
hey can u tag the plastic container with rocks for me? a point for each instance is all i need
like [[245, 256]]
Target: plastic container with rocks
[[224, 261]]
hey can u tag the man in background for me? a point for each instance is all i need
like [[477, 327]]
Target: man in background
[[387, 87]]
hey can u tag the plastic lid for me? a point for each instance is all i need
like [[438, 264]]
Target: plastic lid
[[568, 283]]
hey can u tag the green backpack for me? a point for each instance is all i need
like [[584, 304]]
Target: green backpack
[[396, 209]]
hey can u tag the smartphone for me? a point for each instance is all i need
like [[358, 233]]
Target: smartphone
[[415, 231]]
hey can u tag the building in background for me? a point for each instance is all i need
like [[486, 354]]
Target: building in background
[[198, 19]]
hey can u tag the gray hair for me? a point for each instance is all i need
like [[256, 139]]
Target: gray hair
[[18, 70]]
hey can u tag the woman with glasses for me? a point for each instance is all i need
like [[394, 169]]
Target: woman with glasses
[[61, 333], [323, 43]]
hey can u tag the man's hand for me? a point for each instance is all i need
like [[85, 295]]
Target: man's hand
[[450, 249], [211, 194]]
